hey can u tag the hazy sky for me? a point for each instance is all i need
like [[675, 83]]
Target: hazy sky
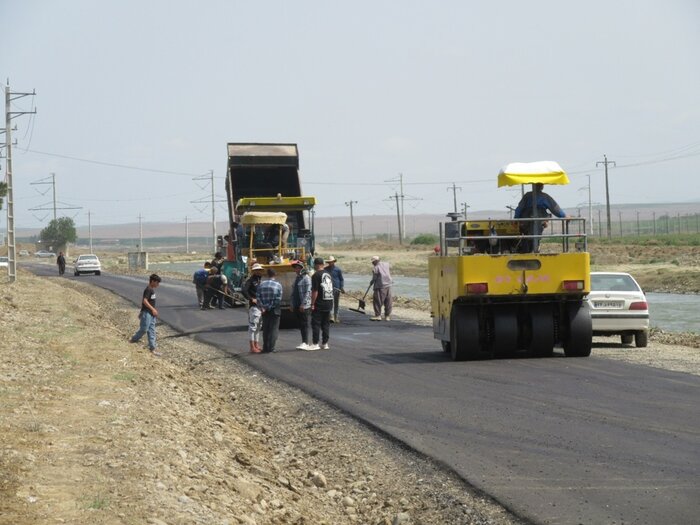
[[439, 91]]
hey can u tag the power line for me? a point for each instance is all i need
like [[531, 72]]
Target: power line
[[110, 164]]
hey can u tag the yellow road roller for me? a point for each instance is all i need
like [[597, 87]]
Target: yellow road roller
[[517, 287]]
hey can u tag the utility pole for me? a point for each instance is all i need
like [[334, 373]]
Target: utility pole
[[607, 162], [9, 115], [402, 196], [332, 236], [210, 178], [619, 213], [454, 189], [52, 182], [90, 230], [352, 219], [140, 235], [590, 207], [510, 211], [187, 236], [653, 214], [600, 225], [465, 207], [638, 224], [362, 237], [398, 216]]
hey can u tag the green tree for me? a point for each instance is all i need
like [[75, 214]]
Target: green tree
[[3, 192], [59, 233]]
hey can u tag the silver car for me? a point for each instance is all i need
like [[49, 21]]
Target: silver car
[[88, 263], [4, 262], [619, 307]]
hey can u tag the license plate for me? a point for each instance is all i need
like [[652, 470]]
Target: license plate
[[608, 304]]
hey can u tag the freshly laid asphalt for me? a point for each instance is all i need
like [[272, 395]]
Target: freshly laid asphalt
[[557, 440]]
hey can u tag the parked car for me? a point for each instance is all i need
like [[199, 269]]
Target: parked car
[[619, 307], [44, 254], [88, 263], [4, 262], [23, 253]]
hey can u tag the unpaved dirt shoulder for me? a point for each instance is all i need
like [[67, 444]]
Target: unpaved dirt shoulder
[[96, 430]]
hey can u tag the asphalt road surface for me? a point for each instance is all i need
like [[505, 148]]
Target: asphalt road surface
[[557, 440]]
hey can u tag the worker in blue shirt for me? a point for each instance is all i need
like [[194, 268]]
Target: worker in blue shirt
[[536, 204]]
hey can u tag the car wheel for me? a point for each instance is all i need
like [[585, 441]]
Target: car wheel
[[98, 273], [641, 339], [627, 339], [76, 273]]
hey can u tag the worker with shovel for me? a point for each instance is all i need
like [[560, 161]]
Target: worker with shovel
[[381, 279]]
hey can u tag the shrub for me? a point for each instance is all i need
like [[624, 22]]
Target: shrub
[[425, 239]]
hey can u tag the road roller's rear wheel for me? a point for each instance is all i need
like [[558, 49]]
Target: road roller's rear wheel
[[464, 333], [505, 331], [541, 331], [579, 339]]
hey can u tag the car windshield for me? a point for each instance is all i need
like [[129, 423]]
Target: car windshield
[[613, 283], [87, 257], [4, 259]]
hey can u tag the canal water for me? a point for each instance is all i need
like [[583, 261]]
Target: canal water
[[670, 312]]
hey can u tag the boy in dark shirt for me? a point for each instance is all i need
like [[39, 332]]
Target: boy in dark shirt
[[148, 315]]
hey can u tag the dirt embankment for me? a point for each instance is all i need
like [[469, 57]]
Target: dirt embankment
[[95, 430]]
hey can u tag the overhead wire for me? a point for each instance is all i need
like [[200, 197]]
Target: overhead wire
[[111, 164]]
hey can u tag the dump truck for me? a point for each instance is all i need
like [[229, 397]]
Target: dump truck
[[270, 221], [513, 287]]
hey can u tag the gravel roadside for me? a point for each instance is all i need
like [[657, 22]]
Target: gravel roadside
[[96, 430]]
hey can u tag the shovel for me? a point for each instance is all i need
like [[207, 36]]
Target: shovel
[[361, 306]]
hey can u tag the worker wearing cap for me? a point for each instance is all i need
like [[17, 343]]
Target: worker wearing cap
[[381, 279], [301, 302], [250, 291], [338, 286]]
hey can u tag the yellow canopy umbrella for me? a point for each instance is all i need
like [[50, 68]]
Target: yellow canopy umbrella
[[264, 217], [545, 171]]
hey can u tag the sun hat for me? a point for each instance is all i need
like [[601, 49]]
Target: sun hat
[[331, 259], [298, 263], [256, 266], [375, 258]]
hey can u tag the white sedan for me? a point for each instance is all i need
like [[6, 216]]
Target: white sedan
[[619, 307], [87, 264]]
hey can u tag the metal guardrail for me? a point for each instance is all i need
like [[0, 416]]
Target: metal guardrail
[[489, 241]]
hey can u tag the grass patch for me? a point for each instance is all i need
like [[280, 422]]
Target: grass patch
[[125, 376], [99, 502]]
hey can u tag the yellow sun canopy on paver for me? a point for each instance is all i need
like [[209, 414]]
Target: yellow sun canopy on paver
[[544, 171]]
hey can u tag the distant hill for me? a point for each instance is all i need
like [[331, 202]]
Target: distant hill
[[371, 225]]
